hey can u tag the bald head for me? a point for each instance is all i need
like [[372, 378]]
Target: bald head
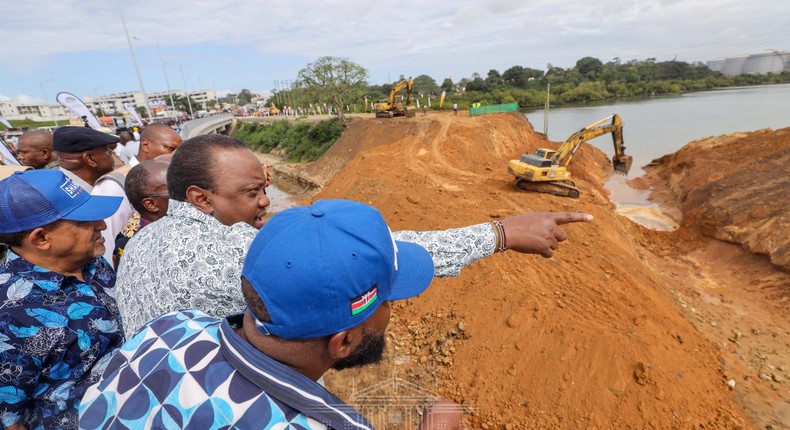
[[157, 139], [146, 189], [35, 149]]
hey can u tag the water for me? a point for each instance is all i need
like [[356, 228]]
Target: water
[[656, 126]]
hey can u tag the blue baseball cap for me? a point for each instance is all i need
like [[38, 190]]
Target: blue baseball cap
[[325, 268], [35, 198]]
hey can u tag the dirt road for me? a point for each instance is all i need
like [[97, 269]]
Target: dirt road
[[624, 327]]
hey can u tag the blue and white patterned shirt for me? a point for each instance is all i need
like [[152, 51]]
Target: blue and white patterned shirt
[[54, 332], [192, 371]]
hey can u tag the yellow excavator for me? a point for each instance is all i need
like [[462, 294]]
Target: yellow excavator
[[391, 107], [546, 171]]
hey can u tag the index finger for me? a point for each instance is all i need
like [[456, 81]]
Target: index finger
[[568, 217]]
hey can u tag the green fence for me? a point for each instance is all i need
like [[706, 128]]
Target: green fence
[[482, 110]]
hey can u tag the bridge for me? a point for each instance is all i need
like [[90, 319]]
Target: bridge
[[215, 124]]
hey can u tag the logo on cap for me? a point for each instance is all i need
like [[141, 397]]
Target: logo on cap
[[364, 300], [71, 188]]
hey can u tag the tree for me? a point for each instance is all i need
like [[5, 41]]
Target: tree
[[425, 84], [447, 84], [589, 67], [245, 96], [335, 79]]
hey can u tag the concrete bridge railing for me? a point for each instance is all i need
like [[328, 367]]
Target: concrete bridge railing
[[215, 124]]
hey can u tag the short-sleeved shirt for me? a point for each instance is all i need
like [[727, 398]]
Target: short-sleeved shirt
[[192, 371], [54, 332]]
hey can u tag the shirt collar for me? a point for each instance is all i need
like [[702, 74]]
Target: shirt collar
[[17, 265], [287, 385], [177, 208]]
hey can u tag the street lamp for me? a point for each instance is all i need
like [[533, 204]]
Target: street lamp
[[134, 60], [41, 85], [187, 91], [164, 70]]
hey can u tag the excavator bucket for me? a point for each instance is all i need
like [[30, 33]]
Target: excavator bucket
[[622, 163]]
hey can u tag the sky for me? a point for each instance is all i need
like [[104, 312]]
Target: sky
[[81, 46]]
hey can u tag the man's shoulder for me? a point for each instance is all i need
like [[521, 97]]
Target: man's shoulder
[[186, 322], [114, 180]]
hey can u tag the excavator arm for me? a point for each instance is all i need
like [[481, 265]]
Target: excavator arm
[[621, 162]]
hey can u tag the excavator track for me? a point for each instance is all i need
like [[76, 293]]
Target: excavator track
[[558, 188]]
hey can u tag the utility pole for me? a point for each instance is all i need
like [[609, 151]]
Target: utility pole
[[134, 60], [164, 70], [189, 101]]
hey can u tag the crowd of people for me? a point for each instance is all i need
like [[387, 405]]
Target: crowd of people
[[155, 294]]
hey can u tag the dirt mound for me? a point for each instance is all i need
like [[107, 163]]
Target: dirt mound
[[604, 335], [734, 188]]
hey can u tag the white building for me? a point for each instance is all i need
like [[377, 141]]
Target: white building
[[17, 110], [755, 64], [112, 104]]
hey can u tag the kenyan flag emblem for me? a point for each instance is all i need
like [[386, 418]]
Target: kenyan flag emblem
[[364, 300]]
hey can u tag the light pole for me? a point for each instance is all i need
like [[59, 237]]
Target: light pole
[[46, 104], [187, 91], [164, 70], [134, 60]]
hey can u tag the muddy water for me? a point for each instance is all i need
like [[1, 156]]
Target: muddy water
[[656, 126]]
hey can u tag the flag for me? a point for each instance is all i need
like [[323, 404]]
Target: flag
[[129, 108], [74, 104], [441, 100]]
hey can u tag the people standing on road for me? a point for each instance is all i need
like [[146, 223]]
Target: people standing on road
[[84, 154], [191, 259], [34, 149], [455, 109], [316, 283], [59, 316], [156, 139]]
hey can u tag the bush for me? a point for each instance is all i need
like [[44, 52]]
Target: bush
[[300, 142]]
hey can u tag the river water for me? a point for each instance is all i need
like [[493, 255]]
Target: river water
[[660, 125]]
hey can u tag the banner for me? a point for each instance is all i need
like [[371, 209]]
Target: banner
[[129, 108], [74, 104], [5, 123], [441, 100]]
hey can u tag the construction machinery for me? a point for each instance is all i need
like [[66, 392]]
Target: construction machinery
[[546, 171], [392, 106]]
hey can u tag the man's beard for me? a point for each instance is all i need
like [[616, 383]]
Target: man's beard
[[370, 351]]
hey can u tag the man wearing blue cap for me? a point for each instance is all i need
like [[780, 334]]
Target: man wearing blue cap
[[59, 316], [317, 281]]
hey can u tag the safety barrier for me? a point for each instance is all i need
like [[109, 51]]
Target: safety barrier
[[482, 110]]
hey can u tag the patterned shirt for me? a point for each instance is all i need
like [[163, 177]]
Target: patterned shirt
[[56, 333], [189, 260], [192, 371]]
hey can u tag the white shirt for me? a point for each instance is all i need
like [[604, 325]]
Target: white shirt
[[108, 187]]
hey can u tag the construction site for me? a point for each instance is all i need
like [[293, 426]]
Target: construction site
[[625, 327]]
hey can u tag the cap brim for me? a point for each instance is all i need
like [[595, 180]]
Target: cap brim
[[415, 271], [95, 208]]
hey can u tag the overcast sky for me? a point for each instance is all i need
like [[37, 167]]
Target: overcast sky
[[81, 47]]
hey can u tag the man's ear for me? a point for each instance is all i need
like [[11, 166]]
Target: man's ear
[[145, 145], [87, 159], [200, 199], [342, 344], [39, 239], [150, 205]]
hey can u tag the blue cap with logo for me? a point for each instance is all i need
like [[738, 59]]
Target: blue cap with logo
[[325, 268], [35, 198]]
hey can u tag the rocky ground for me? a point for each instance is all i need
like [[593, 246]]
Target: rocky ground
[[625, 327]]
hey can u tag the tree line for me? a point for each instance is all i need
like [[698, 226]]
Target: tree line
[[344, 84]]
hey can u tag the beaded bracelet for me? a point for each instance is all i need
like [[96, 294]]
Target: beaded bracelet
[[501, 239]]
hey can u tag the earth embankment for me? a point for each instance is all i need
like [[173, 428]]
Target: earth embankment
[[617, 330]]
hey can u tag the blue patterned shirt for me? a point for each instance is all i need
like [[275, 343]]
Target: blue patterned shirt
[[192, 371], [54, 332]]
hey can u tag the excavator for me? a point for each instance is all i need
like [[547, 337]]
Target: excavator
[[391, 107], [546, 171]]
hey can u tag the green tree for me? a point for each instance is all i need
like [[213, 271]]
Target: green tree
[[425, 84], [245, 96], [447, 84], [589, 67], [335, 79]]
